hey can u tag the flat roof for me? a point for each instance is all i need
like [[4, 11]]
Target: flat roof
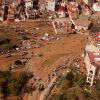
[[92, 48], [82, 21], [94, 57], [97, 38]]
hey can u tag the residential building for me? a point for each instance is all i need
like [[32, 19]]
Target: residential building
[[97, 38], [73, 10], [29, 6], [51, 5], [92, 62], [96, 7]]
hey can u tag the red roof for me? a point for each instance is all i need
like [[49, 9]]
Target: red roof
[[97, 37], [94, 57]]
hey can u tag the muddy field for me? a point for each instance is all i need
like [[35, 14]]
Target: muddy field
[[48, 57]]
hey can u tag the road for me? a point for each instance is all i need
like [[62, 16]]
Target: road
[[47, 91]]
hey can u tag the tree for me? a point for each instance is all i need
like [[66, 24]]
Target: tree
[[75, 93], [95, 93], [1, 74], [23, 77], [14, 88], [87, 94], [81, 79], [97, 85], [69, 76], [59, 96], [65, 84], [5, 89], [14, 85]]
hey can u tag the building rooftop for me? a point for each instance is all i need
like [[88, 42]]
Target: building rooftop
[[96, 6], [82, 21], [72, 7], [94, 57], [92, 48], [97, 38]]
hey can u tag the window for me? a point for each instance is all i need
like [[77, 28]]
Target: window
[[91, 71], [90, 75], [89, 79]]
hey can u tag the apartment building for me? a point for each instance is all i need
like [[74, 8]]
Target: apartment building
[[92, 62]]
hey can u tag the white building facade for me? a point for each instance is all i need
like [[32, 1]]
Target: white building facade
[[92, 62]]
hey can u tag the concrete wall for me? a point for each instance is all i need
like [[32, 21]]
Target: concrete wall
[[87, 62], [89, 67], [90, 75]]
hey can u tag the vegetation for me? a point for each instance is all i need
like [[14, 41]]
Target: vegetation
[[80, 79], [58, 96], [14, 84], [6, 44], [18, 62], [4, 40], [69, 76], [98, 85], [25, 37], [74, 87], [94, 26]]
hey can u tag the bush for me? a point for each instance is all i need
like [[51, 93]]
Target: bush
[[24, 76], [7, 47], [87, 94], [95, 93], [65, 84], [81, 79], [28, 89], [4, 40], [75, 93], [14, 87], [59, 96], [97, 85], [5, 89], [6, 44], [69, 76], [18, 62], [1, 74]]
